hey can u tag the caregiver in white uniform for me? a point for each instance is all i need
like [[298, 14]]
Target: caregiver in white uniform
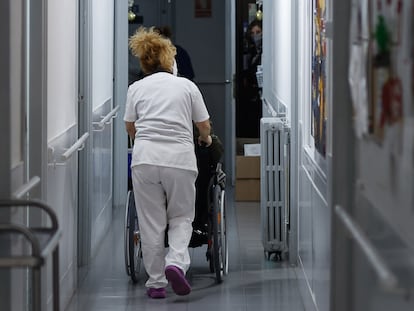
[[159, 114]]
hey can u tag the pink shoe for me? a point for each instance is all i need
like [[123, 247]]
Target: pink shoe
[[178, 281], [156, 293]]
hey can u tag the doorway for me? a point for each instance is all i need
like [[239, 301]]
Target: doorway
[[248, 56], [211, 57]]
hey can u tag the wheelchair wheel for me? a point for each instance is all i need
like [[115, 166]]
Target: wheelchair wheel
[[126, 233], [223, 232], [219, 247], [134, 252]]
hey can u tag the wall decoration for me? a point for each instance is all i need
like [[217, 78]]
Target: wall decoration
[[202, 8], [358, 65], [386, 93], [318, 96]]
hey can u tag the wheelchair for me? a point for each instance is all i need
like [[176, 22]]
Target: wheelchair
[[209, 226]]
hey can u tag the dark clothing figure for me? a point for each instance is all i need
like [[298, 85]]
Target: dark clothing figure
[[250, 102], [207, 159], [184, 65]]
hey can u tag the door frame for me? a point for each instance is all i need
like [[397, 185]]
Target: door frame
[[5, 140], [120, 146], [85, 125], [230, 110]]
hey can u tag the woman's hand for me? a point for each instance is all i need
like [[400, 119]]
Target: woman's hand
[[205, 140]]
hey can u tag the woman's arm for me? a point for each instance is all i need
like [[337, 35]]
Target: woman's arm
[[204, 129], [130, 128]]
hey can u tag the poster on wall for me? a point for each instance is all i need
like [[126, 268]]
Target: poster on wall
[[386, 88], [318, 95]]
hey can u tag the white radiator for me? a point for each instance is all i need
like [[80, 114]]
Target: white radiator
[[274, 203]]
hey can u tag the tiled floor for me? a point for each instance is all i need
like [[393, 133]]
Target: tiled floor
[[253, 282]]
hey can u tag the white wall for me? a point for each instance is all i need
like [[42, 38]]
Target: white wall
[[62, 132], [313, 211], [62, 66], [277, 53], [101, 62], [102, 51]]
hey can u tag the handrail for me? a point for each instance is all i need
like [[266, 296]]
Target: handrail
[[7, 228], [38, 254], [23, 189], [112, 114], [77, 146], [35, 203], [105, 120], [271, 110], [387, 278]]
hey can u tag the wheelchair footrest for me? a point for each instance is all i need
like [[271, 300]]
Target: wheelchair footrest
[[198, 238]]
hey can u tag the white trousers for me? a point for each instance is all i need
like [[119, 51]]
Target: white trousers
[[164, 195]]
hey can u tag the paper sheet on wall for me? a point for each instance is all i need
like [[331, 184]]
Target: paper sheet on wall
[[358, 62], [358, 86]]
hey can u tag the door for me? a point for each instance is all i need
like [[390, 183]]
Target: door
[[211, 59], [96, 114]]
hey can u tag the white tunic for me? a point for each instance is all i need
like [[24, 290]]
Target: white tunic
[[163, 107]]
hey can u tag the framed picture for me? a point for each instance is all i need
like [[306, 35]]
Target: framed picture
[[202, 8]]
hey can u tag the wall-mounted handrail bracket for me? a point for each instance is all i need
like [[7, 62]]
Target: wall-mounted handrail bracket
[[77, 146], [106, 120], [23, 189]]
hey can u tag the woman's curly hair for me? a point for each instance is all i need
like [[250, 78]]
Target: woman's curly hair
[[154, 51]]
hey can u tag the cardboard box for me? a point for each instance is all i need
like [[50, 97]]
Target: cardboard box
[[247, 167], [240, 142], [247, 190], [247, 178]]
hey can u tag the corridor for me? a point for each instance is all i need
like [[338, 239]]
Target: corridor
[[253, 282]]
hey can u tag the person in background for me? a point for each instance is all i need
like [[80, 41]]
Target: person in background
[[159, 115], [184, 64], [255, 46], [251, 101]]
